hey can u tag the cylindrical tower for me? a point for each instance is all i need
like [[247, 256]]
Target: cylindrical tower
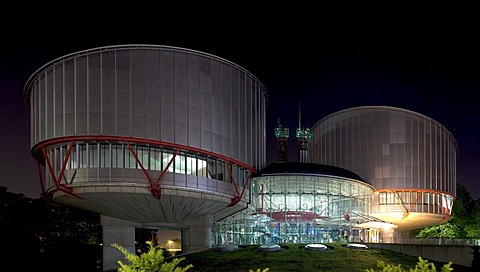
[[409, 158], [146, 133]]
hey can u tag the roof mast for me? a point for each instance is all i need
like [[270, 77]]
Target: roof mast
[[281, 133], [303, 136]]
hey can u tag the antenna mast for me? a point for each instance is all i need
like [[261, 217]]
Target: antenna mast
[[303, 136], [281, 134]]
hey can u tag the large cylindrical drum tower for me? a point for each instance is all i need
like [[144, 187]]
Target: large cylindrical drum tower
[[117, 128], [410, 160], [156, 135]]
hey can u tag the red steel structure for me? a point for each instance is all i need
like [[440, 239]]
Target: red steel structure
[[40, 154]]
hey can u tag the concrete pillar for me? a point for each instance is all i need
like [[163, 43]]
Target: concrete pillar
[[199, 234], [120, 232], [387, 235]]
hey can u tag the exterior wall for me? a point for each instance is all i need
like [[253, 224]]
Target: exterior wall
[[403, 154], [153, 92], [156, 95], [110, 124], [388, 147], [457, 254]]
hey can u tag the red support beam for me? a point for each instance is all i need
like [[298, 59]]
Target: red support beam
[[57, 180], [232, 179], [37, 149], [154, 186], [157, 182], [414, 190], [238, 196], [39, 152], [418, 192]]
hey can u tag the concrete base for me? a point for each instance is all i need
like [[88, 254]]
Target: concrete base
[[120, 232], [457, 254], [196, 235], [199, 234]]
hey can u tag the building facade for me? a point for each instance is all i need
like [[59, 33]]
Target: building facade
[[410, 160], [295, 202], [147, 136], [164, 137]]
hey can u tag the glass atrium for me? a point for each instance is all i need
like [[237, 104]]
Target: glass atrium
[[299, 208]]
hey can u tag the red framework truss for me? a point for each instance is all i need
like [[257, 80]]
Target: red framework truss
[[418, 192], [39, 151]]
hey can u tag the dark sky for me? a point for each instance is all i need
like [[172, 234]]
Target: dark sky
[[431, 69]]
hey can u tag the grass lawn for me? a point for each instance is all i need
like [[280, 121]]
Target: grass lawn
[[295, 257]]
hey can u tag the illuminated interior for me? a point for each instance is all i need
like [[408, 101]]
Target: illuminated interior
[[299, 209], [117, 155]]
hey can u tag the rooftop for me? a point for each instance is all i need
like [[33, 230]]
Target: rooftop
[[307, 168]]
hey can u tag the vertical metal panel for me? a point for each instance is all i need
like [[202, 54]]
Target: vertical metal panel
[[49, 106], [122, 89], [226, 117], [108, 93], [33, 114], [193, 101], [152, 95], [234, 138], [41, 108], [69, 99], [137, 95], [81, 90], [217, 106], [94, 95], [166, 96], [205, 99], [180, 95]]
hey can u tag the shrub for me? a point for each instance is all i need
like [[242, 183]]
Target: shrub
[[422, 266], [151, 261]]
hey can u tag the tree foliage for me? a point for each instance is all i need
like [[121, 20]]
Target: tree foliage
[[48, 235], [422, 266], [150, 261], [464, 222]]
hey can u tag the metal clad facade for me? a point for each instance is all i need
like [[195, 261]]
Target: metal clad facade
[[388, 147], [161, 93]]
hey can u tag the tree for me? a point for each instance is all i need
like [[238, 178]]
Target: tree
[[473, 226], [48, 235], [447, 230]]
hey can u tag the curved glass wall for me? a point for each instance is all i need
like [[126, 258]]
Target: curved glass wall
[[111, 162], [298, 209], [408, 201]]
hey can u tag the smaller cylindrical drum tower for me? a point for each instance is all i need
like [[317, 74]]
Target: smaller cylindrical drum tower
[[410, 160]]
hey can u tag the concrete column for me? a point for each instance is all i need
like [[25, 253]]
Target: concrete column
[[387, 235], [199, 234], [120, 232]]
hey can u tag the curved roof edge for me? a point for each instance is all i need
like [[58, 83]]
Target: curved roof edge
[[140, 46], [307, 168], [373, 107]]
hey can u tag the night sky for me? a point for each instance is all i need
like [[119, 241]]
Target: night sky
[[431, 70]]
